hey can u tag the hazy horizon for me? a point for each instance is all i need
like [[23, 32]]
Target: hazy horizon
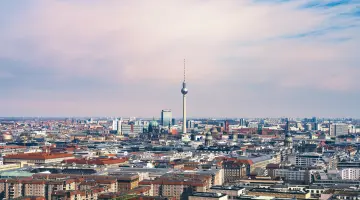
[[125, 58]]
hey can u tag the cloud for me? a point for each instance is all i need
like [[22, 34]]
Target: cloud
[[136, 48]]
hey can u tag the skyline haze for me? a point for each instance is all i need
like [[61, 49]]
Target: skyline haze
[[250, 58]]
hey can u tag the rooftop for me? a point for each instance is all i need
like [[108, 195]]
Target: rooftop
[[208, 194]]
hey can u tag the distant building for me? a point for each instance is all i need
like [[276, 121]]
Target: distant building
[[208, 196], [232, 191], [242, 122], [132, 128], [235, 170], [116, 126], [179, 186], [293, 175], [339, 129], [190, 124], [308, 159], [166, 117], [37, 158], [173, 121], [350, 174], [279, 194]]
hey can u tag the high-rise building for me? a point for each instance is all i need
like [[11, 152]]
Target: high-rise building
[[173, 121], [116, 125], [190, 124], [339, 129], [166, 117], [242, 122]]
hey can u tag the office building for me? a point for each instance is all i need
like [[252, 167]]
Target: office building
[[308, 159], [339, 129], [242, 122], [293, 175], [131, 128], [166, 117]]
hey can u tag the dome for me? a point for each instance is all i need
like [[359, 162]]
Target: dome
[[208, 136], [213, 130], [153, 123], [288, 137], [7, 136]]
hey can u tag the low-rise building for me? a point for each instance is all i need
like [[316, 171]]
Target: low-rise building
[[37, 158], [178, 185], [294, 175], [232, 191], [279, 194]]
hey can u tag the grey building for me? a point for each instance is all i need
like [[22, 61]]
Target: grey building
[[339, 129]]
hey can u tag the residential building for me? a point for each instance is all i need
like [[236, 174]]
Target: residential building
[[236, 169], [350, 174], [178, 185]]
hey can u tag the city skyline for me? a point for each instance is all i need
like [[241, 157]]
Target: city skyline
[[244, 58]]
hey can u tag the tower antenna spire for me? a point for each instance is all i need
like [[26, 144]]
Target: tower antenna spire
[[184, 70]]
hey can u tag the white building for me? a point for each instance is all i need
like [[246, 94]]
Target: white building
[[308, 159], [232, 191], [350, 174], [116, 126], [292, 175]]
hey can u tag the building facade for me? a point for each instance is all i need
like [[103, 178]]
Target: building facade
[[166, 117]]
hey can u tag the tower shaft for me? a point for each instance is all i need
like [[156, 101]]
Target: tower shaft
[[184, 115]]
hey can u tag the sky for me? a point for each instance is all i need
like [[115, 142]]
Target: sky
[[244, 58]]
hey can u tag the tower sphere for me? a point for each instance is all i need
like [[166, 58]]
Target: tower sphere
[[184, 91]]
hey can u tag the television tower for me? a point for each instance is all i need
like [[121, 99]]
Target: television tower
[[185, 137]]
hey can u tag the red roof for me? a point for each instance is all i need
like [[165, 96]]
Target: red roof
[[12, 147], [37, 156], [98, 161]]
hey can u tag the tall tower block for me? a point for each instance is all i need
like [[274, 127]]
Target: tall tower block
[[184, 91]]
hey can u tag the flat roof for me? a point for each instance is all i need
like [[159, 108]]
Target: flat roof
[[208, 194]]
